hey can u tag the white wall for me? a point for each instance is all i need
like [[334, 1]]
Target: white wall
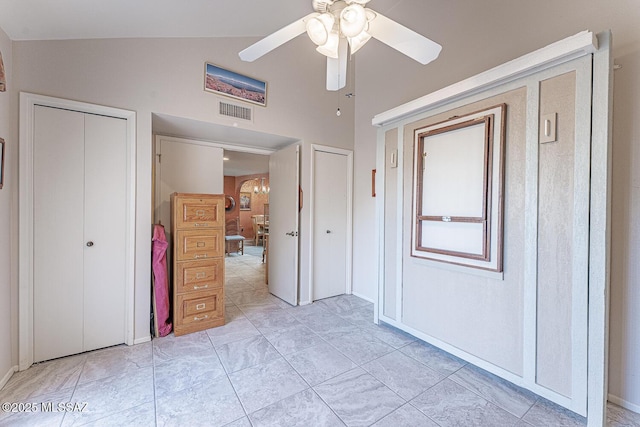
[[166, 76], [7, 228], [477, 36]]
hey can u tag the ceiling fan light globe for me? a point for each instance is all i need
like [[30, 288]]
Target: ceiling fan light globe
[[327, 20], [353, 20], [355, 43], [330, 48], [317, 32]]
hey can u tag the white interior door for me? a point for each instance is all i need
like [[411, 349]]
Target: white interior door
[[330, 224], [284, 178], [105, 203], [79, 236], [58, 245]]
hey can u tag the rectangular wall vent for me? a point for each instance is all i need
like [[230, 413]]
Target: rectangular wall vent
[[235, 111]]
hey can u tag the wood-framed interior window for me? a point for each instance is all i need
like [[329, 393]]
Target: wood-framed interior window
[[458, 172]]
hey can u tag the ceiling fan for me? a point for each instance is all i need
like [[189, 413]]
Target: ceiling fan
[[338, 27]]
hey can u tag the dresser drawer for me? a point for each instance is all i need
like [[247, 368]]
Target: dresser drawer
[[201, 310], [198, 244], [198, 212], [192, 276]]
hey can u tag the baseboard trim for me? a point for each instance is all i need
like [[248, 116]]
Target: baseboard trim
[[363, 297], [623, 403], [142, 340], [8, 376]]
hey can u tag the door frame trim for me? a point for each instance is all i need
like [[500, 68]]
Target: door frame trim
[[349, 225], [28, 102]]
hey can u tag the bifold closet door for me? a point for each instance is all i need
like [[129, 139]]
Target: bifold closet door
[[79, 234], [58, 250], [105, 197]]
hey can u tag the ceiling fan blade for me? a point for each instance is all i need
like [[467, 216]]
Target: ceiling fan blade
[[276, 39], [337, 68], [404, 40]]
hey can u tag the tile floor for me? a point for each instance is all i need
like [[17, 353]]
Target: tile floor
[[323, 364]]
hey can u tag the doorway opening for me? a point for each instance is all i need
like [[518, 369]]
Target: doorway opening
[[246, 183]]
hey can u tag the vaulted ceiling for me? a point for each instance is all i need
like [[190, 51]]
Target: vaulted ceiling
[[90, 19]]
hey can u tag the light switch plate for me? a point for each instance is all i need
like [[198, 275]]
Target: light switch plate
[[393, 161], [548, 128]]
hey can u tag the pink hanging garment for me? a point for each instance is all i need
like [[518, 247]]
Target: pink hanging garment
[[161, 283]]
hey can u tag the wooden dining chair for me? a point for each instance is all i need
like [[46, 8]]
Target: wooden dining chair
[[233, 237]]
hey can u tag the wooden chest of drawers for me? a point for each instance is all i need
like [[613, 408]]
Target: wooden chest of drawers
[[197, 224]]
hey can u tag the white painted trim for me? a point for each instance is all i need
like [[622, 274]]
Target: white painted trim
[[580, 241], [223, 145], [381, 195], [399, 224], [600, 231], [624, 404], [349, 220], [5, 379], [379, 230], [142, 340], [530, 279], [554, 54], [28, 101]]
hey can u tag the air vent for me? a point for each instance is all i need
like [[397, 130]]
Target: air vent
[[235, 111]]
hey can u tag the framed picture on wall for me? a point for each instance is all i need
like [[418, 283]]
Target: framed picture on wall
[[235, 85], [1, 162], [458, 190], [245, 201]]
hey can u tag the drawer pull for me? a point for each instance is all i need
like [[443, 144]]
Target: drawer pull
[[200, 213], [200, 225], [200, 256], [201, 275], [201, 306], [201, 244], [201, 317], [200, 287]]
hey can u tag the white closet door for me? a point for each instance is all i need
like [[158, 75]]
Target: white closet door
[[79, 232], [58, 235], [330, 225], [104, 224]]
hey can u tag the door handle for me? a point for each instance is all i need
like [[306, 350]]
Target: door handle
[[89, 243], [292, 233]]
